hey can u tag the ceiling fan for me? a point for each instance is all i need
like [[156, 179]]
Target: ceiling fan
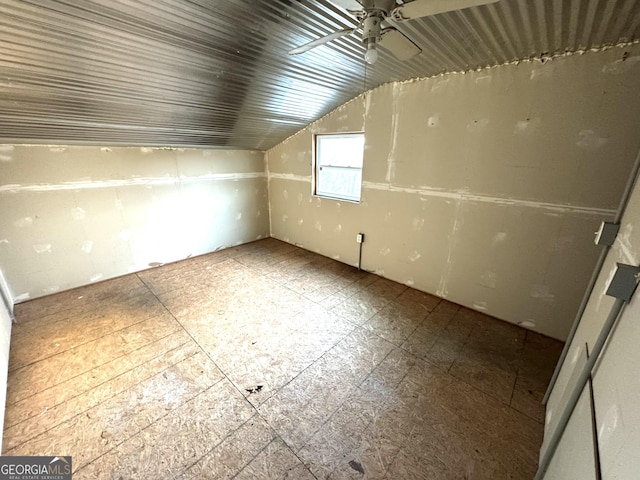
[[372, 13]]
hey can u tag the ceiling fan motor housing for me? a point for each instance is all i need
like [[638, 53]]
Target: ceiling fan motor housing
[[384, 6], [371, 28]]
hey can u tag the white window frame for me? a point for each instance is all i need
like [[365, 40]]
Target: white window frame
[[318, 166]]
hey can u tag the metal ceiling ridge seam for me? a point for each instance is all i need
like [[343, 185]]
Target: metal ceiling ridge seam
[[151, 146], [542, 59]]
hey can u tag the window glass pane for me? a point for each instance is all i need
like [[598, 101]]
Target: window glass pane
[[339, 165], [341, 150], [340, 182]]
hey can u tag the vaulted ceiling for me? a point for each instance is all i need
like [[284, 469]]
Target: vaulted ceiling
[[216, 73]]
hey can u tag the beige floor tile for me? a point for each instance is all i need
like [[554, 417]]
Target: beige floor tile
[[302, 406], [536, 367], [53, 414], [35, 377], [359, 307], [39, 403], [29, 345], [176, 441], [395, 323], [425, 336], [82, 297], [230, 456], [93, 433], [490, 358], [275, 462]]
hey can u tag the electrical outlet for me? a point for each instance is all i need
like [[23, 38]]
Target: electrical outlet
[[360, 237]]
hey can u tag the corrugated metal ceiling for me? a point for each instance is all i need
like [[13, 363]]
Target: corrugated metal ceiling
[[216, 73]]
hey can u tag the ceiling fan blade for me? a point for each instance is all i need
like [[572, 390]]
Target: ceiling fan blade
[[348, 4], [321, 41], [424, 8], [401, 47]]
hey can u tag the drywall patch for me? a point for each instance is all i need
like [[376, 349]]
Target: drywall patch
[[484, 79], [125, 235], [6, 153], [96, 277], [290, 176], [417, 223], [338, 228], [529, 323], [577, 353], [385, 251], [42, 248], [4, 241], [414, 256], [391, 159], [300, 221], [527, 127], [409, 282], [498, 238], [542, 292], [488, 279], [610, 423], [463, 195], [78, 213], [478, 125], [146, 150], [285, 217], [149, 182], [543, 72], [481, 306], [621, 66], [239, 216], [433, 121], [588, 140], [626, 247], [57, 149], [23, 222], [318, 226], [87, 246], [440, 84], [51, 289], [105, 150], [285, 194]]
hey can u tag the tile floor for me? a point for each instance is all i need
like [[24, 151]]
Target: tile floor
[[267, 361]]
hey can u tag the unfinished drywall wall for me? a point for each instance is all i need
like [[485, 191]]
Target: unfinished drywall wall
[[72, 215], [6, 318], [616, 383], [484, 188]]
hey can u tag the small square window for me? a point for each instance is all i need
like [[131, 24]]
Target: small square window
[[338, 166]]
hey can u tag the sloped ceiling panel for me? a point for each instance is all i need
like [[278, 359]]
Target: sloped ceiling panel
[[216, 73]]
